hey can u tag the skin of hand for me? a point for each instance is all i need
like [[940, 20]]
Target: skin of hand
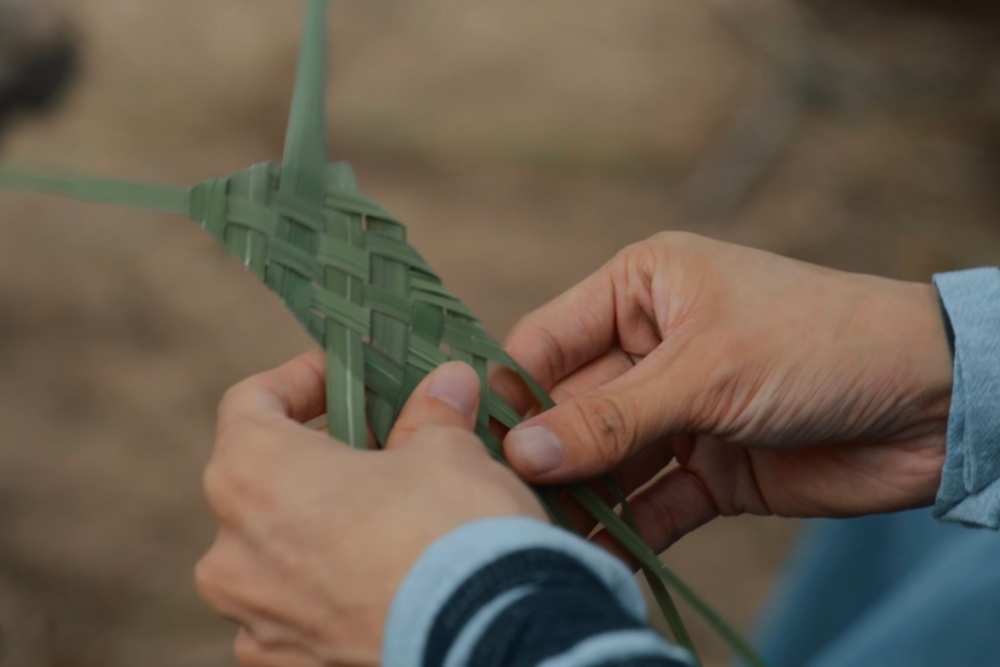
[[314, 538], [719, 380]]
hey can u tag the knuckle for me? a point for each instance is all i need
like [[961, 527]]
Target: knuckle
[[231, 489], [449, 454], [243, 393], [431, 428], [531, 341], [637, 253], [452, 442], [552, 351], [209, 580], [231, 397], [673, 508], [520, 328], [249, 653], [656, 519], [675, 239], [215, 483], [636, 267], [607, 425], [665, 248], [661, 247]]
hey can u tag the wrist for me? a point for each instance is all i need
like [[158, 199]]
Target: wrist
[[931, 352], [907, 320]]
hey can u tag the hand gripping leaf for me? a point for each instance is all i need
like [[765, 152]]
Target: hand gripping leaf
[[342, 265]]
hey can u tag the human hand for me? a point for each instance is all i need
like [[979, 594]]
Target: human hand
[[777, 386], [314, 538]]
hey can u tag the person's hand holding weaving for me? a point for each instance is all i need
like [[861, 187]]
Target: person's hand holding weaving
[[776, 386], [314, 539]]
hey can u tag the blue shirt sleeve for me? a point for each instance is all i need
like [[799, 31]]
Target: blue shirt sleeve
[[515, 592], [970, 481]]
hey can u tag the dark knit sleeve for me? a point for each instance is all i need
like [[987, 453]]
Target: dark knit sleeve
[[518, 593]]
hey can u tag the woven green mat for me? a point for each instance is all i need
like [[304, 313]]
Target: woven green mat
[[341, 263]]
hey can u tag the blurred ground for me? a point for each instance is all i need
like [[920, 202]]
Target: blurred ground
[[523, 142]]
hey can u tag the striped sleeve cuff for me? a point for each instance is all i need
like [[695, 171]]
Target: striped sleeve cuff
[[514, 592], [970, 481]]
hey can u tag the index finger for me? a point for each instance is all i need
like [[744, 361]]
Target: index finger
[[295, 391], [569, 331]]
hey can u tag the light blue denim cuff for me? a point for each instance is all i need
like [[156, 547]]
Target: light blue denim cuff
[[970, 482], [452, 560]]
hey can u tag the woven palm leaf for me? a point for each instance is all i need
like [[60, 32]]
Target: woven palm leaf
[[342, 265]]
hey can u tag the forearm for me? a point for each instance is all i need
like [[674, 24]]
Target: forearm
[[518, 593], [970, 484]]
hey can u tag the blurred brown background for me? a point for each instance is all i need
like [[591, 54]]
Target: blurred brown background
[[524, 142]]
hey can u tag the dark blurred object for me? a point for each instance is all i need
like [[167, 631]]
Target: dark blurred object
[[925, 62], [807, 68], [24, 629], [970, 8], [38, 58]]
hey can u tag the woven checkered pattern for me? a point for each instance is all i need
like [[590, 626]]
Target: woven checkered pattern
[[342, 265]]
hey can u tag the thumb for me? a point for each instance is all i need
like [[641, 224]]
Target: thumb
[[590, 434], [449, 396]]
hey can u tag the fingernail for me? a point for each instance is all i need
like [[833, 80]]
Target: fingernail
[[536, 448], [457, 385]]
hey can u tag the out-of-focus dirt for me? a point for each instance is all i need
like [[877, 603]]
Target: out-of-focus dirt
[[523, 142]]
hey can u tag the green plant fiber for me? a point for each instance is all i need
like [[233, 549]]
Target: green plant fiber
[[342, 265]]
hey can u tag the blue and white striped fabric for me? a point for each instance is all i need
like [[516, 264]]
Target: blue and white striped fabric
[[514, 592]]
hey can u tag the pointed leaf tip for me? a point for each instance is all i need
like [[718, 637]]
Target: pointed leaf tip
[[305, 159], [122, 193]]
